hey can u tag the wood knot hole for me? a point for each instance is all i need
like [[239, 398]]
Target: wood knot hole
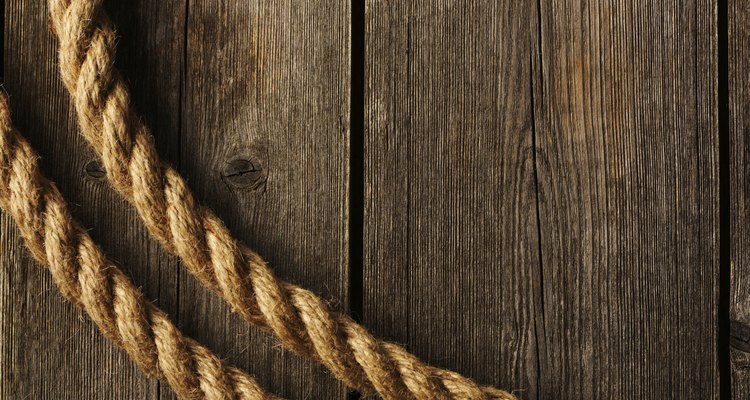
[[245, 172], [739, 336], [95, 170]]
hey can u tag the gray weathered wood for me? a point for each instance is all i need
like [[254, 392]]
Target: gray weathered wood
[[627, 163], [49, 349], [739, 130], [450, 239], [265, 144]]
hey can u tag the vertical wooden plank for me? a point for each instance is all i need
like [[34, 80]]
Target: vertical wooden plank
[[450, 237], [627, 160], [50, 350], [265, 144], [738, 49]]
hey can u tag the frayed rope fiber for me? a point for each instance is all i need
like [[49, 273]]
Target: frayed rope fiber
[[89, 280], [300, 319]]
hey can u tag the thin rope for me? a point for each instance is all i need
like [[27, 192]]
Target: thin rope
[[301, 320], [89, 280]]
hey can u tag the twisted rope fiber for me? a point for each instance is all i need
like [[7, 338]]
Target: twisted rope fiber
[[89, 280], [300, 319]]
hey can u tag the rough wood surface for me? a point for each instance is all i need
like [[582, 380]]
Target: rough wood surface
[[738, 47], [617, 294], [251, 102], [265, 143], [450, 241], [627, 159]]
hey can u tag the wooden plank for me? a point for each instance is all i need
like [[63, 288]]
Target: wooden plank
[[49, 349], [738, 35], [265, 144], [627, 160], [450, 237]]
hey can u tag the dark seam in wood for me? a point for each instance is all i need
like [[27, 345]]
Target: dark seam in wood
[[178, 155], [540, 294], [356, 165], [538, 328]]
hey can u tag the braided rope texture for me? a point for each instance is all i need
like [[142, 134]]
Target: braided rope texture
[[301, 320], [89, 280]]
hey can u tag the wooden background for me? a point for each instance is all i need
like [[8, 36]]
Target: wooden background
[[535, 194]]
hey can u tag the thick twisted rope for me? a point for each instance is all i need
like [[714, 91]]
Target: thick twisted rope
[[300, 319], [91, 281]]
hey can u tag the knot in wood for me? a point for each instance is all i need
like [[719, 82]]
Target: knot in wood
[[739, 336], [95, 170], [244, 172]]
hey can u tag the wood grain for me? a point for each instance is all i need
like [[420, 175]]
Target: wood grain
[[450, 239], [49, 349], [627, 160], [738, 47], [618, 297], [266, 144]]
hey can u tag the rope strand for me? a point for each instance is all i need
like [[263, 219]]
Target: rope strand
[[300, 319], [89, 280]]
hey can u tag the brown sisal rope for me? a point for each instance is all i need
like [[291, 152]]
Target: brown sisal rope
[[91, 281], [300, 319]]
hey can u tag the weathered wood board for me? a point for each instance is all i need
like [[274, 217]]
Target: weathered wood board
[[627, 151], [542, 193], [265, 143], [450, 239]]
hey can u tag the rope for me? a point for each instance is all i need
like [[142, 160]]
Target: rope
[[300, 319], [89, 280]]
